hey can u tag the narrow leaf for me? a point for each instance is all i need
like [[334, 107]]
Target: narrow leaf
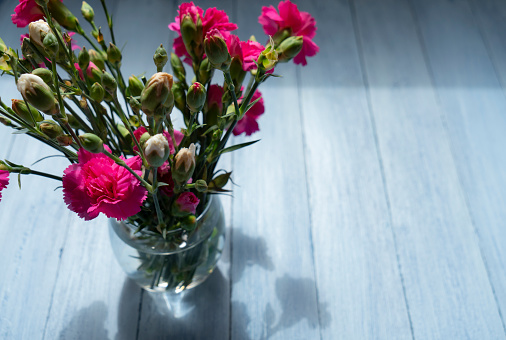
[[237, 147]]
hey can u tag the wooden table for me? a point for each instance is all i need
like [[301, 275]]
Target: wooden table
[[373, 208]]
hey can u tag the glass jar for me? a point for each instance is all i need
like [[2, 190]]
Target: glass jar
[[158, 265]]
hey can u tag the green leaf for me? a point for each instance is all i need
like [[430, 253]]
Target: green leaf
[[43, 158], [219, 182], [20, 132], [250, 105], [237, 147], [212, 128]]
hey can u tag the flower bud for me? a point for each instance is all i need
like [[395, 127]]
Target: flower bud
[[37, 93], [87, 12], [201, 185], [281, 35], [184, 164], [189, 223], [156, 150], [97, 59], [268, 58], [44, 74], [50, 45], [124, 132], [19, 107], [94, 74], [83, 58], [62, 15], [109, 83], [177, 67], [50, 128], [64, 140], [41, 3], [156, 93], [185, 204], [160, 58], [205, 71], [289, 48], [217, 50], [196, 97], [113, 54], [38, 31], [73, 122], [135, 86], [179, 96], [97, 92], [192, 34], [91, 143]]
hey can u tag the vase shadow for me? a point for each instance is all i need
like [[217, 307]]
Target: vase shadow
[[87, 323], [128, 310]]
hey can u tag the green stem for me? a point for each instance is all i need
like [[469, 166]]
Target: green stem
[[155, 197], [28, 171], [109, 21], [127, 125]]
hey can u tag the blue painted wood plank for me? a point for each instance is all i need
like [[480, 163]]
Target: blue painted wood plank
[[447, 286], [356, 262], [467, 74]]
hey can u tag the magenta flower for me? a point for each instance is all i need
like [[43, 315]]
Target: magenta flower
[[4, 181], [98, 185], [214, 96], [212, 19], [178, 135], [91, 66], [165, 176], [26, 12], [245, 51], [299, 23], [248, 124], [186, 203]]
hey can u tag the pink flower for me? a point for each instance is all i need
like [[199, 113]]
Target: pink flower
[[26, 12], [98, 185], [4, 181], [186, 203], [214, 96], [248, 124], [212, 19], [178, 135], [165, 176], [245, 51], [300, 24]]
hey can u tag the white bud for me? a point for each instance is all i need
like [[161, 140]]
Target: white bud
[[37, 93], [186, 156], [38, 30], [157, 150]]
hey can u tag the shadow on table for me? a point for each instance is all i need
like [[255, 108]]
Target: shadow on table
[[88, 323]]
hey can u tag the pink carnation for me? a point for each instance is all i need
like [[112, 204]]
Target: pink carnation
[[165, 176], [245, 51], [26, 12], [212, 19], [248, 124], [98, 185], [187, 203], [214, 96], [4, 181], [300, 24], [178, 135], [91, 66]]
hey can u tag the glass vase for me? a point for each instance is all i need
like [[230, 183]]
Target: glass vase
[[158, 265]]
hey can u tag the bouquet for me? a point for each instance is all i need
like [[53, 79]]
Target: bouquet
[[127, 160]]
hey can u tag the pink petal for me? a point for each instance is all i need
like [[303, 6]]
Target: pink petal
[[290, 14]]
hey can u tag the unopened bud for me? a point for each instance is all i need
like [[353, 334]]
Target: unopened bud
[[63, 15], [217, 50], [50, 128], [83, 59], [91, 143], [135, 86], [87, 12], [192, 34], [22, 111], [156, 93], [124, 132], [73, 122], [41, 3], [64, 140], [109, 83], [281, 35], [37, 93], [97, 92], [196, 97], [160, 58], [177, 67], [134, 104], [201, 185], [184, 164], [268, 58], [217, 134], [189, 222], [179, 96], [44, 74], [38, 31], [113, 54], [50, 45], [289, 48], [97, 59], [205, 71], [156, 150]]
